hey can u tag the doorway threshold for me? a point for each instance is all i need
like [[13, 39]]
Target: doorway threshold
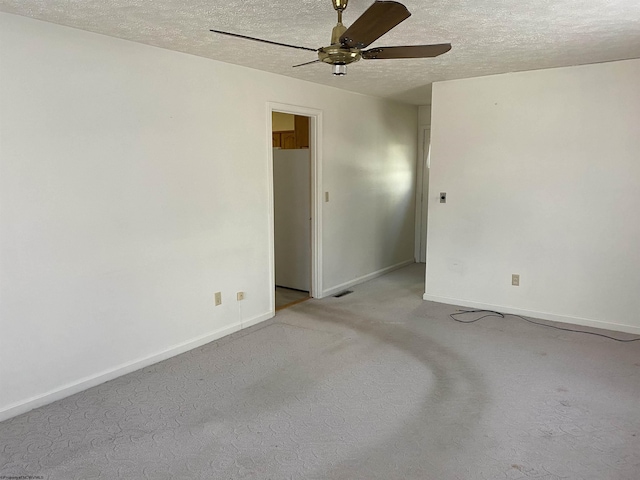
[[287, 297]]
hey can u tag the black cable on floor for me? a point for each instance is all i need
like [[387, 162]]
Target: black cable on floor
[[491, 313]]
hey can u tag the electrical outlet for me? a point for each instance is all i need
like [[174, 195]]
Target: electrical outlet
[[218, 298], [240, 296], [443, 197], [515, 280]]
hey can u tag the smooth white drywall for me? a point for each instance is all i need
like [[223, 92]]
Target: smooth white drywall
[[135, 184], [292, 217], [542, 176]]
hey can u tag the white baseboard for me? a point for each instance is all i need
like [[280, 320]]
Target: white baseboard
[[93, 380], [585, 322], [256, 320], [365, 278]]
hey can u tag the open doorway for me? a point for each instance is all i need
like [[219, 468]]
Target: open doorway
[[291, 208], [296, 209]]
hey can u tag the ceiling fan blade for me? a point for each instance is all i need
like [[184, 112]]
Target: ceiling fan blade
[[307, 63], [412, 51], [377, 20], [264, 41]]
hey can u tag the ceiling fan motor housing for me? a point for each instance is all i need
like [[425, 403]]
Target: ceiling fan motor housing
[[338, 55]]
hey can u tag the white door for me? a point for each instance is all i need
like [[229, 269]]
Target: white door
[[424, 194]]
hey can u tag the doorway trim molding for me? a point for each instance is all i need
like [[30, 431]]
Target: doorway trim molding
[[315, 150], [422, 190]]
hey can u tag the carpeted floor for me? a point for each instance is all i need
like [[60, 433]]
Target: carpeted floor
[[377, 384]]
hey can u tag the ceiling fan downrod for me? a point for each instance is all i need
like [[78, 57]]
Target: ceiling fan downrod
[[339, 29], [339, 68]]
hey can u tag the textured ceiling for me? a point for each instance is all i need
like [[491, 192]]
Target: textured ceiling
[[488, 37]]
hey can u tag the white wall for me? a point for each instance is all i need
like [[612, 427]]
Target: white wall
[[542, 175], [134, 184]]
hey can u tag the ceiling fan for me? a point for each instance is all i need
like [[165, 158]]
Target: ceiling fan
[[347, 43]]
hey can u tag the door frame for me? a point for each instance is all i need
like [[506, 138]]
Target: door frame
[[422, 190], [315, 151]]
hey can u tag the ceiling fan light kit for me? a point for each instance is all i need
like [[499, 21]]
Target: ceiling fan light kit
[[339, 70], [347, 43]]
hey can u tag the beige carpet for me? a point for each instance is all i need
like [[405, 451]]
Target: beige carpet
[[374, 385]]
